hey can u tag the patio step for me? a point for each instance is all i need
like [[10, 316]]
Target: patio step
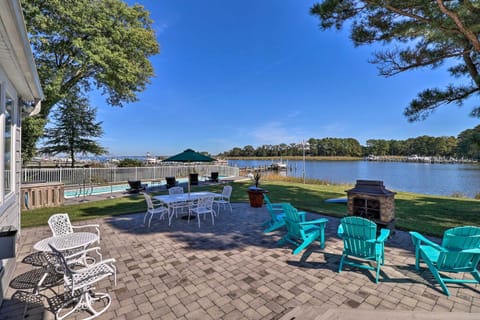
[[325, 313]]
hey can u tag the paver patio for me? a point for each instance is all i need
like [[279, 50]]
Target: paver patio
[[232, 270]]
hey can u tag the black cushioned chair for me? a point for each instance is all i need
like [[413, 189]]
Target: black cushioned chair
[[136, 186], [193, 177], [171, 182], [214, 176]]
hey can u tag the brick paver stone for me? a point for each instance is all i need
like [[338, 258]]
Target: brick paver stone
[[232, 270]]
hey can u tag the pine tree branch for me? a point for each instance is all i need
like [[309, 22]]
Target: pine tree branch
[[472, 68], [390, 62], [464, 30], [417, 17]]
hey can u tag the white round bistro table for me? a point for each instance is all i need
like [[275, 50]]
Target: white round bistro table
[[65, 242]]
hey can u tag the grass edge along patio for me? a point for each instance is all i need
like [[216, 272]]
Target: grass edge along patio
[[427, 214]]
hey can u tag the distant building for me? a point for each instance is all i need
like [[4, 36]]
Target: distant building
[[20, 96]]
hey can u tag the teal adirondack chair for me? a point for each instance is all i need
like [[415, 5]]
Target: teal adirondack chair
[[459, 252], [277, 215], [360, 241], [300, 232]]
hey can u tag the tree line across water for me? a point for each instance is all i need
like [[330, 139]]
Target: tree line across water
[[466, 145]]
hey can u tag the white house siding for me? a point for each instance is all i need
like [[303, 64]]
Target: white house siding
[[9, 204], [18, 77]]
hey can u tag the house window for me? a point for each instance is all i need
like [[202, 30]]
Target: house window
[[7, 144]]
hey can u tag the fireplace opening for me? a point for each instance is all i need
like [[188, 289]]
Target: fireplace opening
[[366, 208]]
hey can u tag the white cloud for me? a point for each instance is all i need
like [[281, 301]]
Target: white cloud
[[161, 28], [275, 132], [293, 114], [334, 129]]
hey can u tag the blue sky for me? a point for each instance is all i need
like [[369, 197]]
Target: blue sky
[[236, 73]]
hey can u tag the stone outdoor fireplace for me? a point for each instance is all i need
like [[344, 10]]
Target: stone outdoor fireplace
[[369, 199]]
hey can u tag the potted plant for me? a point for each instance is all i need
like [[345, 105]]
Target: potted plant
[[255, 194]]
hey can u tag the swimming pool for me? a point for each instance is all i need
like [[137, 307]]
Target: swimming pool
[[87, 191], [90, 190]]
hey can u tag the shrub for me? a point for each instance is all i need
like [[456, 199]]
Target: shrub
[[458, 195], [130, 163]]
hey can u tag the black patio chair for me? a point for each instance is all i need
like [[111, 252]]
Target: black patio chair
[[171, 182], [193, 178], [136, 186], [213, 176]]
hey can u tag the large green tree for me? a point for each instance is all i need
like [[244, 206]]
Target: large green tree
[[73, 129], [418, 34], [469, 143], [88, 44]]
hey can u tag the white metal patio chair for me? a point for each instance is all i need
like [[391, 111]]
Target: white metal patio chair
[[154, 207], [79, 288], [178, 205], [223, 199], [175, 190], [60, 225], [202, 206]]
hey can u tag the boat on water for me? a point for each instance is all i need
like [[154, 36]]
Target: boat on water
[[280, 166]]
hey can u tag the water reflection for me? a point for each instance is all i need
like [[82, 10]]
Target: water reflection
[[435, 179]]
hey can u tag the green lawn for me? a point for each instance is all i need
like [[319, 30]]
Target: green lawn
[[426, 214]]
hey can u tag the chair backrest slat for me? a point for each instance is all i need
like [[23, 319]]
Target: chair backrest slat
[[455, 240], [175, 190], [227, 192], [148, 199], [292, 221], [356, 233], [60, 224]]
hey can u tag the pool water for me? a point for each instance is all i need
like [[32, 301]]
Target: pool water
[[88, 191], [95, 190]]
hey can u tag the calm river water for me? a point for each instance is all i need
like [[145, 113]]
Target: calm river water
[[435, 179]]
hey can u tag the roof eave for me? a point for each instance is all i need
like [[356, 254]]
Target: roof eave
[[16, 55]]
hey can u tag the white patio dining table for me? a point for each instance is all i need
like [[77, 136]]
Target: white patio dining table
[[172, 199]]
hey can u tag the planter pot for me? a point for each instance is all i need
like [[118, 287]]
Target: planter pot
[[255, 195]]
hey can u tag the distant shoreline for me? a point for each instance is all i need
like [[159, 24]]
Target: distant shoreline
[[420, 159], [307, 158]]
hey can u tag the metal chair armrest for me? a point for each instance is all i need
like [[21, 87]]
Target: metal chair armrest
[[96, 226], [81, 253], [86, 225]]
